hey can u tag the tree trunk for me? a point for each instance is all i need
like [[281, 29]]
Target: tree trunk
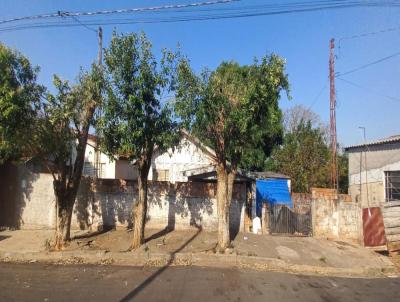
[[66, 187], [230, 182], [63, 227], [225, 181], [64, 215], [222, 209], [139, 211]]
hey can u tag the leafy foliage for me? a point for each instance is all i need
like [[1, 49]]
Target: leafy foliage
[[19, 100], [135, 119], [61, 137], [236, 112], [239, 113], [64, 119], [305, 154]]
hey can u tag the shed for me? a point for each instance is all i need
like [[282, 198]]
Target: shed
[[273, 188]]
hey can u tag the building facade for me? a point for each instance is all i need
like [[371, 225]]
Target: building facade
[[374, 171], [99, 165]]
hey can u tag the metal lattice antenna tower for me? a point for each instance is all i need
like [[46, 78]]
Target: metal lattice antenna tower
[[333, 137]]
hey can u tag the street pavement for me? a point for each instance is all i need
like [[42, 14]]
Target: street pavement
[[39, 282]]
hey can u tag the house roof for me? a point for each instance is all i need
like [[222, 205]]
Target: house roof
[[267, 174], [195, 140], [92, 137], [209, 174], [388, 140]]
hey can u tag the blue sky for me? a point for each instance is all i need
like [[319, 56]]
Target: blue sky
[[302, 39]]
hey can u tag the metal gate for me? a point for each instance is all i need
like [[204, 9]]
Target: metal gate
[[294, 222], [373, 227]]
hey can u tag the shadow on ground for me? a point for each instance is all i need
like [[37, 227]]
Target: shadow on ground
[[4, 237], [156, 274]]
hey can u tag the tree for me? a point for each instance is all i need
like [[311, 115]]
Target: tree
[[19, 100], [343, 173], [304, 154], [299, 114], [135, 120], [236, 110], [62, 131]]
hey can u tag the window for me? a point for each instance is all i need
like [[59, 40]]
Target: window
[[161, 175], [392, 185], [88, 169]]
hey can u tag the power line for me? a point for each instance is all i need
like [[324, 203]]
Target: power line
[[367, 65], [319, 94], [116, 11], [373, 33], [367, 88], [84, 25], [244, 14]]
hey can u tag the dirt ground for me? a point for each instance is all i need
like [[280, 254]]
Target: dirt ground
[[307, 251], [295, 250], [395, 258], [161, 241]]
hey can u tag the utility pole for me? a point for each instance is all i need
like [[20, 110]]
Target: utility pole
[[333, 137], [100, 33], [100, 62]]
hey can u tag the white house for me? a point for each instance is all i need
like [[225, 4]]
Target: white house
[[177, 164], [100, 165]]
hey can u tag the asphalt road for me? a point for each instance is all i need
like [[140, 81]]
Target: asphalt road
[[37, 282]]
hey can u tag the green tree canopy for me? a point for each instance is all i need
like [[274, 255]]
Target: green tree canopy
[[19, 101], [61, 134], [237, 113], [137, 118], [304, 154]]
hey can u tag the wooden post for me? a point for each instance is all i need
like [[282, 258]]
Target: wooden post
[[265, 218], [247, 213]]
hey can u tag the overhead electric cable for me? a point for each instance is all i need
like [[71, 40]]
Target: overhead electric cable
[[84, 25], [372, 90], [241, 13], [368, 34], [319, 94], [367, 65], [116, 11]]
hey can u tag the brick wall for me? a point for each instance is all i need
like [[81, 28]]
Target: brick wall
[[301, 202]]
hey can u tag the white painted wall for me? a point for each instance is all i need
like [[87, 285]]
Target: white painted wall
[[379, 160], [186, 156], [110, 168], [107, 165]]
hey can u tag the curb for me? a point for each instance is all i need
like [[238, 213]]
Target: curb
[[197, 259]]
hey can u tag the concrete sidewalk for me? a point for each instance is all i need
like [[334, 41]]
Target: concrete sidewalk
[[304, 255]]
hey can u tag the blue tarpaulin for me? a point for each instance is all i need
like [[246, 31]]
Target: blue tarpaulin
[[273, 191]]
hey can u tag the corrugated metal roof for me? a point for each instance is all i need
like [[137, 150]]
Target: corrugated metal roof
[[387, 140], [267, 174]]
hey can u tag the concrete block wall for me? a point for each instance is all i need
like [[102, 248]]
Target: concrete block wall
[[108, 202], [376, 193], [36, 201], [179, 206], [335, 216]]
